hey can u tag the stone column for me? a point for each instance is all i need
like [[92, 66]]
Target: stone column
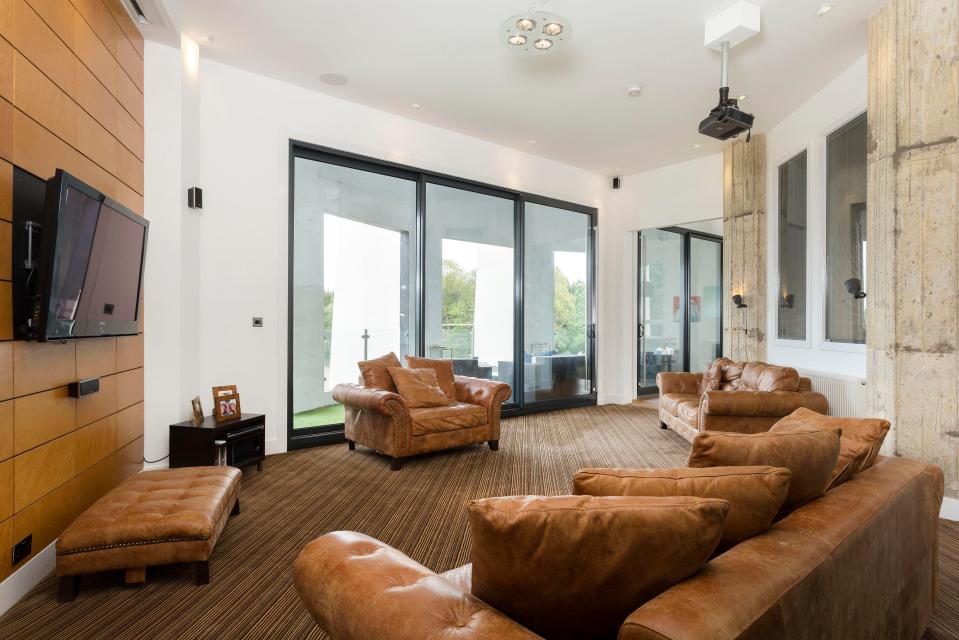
[[913, 238], [744, 248]]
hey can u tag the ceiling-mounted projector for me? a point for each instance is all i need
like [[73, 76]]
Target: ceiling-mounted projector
[[726, 120]]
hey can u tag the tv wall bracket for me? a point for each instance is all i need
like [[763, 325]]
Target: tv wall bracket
[[29, 192], [33, 230]]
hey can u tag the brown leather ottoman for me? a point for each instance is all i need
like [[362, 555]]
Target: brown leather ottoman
[[156, 517]]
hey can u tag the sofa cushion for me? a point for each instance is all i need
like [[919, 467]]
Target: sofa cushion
[[418, 387], [443, 369], [755, 494], [376, 373], [669, 402], [865, 431], [713, 375], [732, 374], [576, 566], [688, 412], [759, 376], [810, 454], [849, 463], [452, 417]]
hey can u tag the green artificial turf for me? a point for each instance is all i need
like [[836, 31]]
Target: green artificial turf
[[330, 414]]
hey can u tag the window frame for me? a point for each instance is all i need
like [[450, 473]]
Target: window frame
[[811, 229], [329, 434]]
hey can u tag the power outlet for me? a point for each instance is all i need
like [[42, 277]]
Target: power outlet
[[22, 549]]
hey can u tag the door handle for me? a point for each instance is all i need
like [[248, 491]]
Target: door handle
[[642, 330]]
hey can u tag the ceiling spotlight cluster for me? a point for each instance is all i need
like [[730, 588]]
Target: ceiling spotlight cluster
[[535, 32]]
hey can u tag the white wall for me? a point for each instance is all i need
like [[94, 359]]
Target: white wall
[[245, 124], [806, 128]]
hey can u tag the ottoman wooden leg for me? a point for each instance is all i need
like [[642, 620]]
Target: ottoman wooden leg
[[494, 445], [69, 588], [396, 464], [236, 508], [351, 444], [202, 572], [136, 575], [662, 425]]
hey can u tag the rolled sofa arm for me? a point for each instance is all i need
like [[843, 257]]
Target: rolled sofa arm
[[481, 392], [679, 382], [358, 588], [760, 403], [379, 400]]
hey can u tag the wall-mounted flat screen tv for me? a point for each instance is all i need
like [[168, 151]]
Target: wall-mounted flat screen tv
[[91, 264]]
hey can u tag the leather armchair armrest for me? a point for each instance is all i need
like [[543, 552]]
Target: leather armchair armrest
[[379, 400], [357, 587], [678, 382], [482, 392], [760, 403]]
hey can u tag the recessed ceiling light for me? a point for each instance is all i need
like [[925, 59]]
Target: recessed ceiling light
[[543, 43], [824, 9], [416, 105], [530, 142], [742, 97], [517, 40], [553, 29], [634, 91], [334, 79], [697, 145], [526, 24], [207, 39]]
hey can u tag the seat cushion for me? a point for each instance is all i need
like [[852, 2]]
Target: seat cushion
[[810, 454], [670, 402], [155, 506], [688, 412], [458, 415], [375, 372], [856, 432], [755, 494], [418, 387], [443, 369], [576, 566]]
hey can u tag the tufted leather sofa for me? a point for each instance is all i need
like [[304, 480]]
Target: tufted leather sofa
[[745, 397], [381, 419], [859, 563]]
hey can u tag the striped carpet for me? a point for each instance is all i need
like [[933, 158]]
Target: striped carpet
[[420, 510]]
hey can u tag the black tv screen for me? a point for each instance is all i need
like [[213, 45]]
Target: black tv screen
[[91, 263]]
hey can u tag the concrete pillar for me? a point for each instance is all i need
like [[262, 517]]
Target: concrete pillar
[[913, 237], [744, 248]]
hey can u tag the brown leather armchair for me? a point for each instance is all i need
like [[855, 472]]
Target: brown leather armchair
[[381, 420], [745, 397]]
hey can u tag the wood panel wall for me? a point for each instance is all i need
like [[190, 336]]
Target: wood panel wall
[[912, 336], [71, 97], [744, 248]]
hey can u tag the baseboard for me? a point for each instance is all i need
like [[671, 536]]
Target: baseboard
[[27, 577], [612, 398], [950, 509]]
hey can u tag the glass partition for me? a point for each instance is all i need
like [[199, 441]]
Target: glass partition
[[556, 342], [705, 302], [661, 314]]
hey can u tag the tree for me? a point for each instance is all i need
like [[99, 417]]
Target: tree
[[459, 305], [569, 314]]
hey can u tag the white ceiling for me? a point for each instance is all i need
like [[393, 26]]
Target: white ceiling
[[445, 55]]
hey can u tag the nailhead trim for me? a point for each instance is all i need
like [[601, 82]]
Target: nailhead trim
[[130, 544]]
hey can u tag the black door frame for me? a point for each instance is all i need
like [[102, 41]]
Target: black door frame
[[329, 434], [687, 236]]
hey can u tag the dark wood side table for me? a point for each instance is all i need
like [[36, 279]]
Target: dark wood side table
[[244, 438]]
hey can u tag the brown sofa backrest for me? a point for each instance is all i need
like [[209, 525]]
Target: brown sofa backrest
[[758, 376], [844, 556]]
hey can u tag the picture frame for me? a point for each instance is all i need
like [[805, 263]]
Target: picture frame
[[197, 408], [226, 407], [224, 390]]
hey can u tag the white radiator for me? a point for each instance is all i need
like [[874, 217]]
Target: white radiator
[[846, 394]]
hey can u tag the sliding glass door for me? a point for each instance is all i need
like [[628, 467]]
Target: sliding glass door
[[680, 324], [469, 281], [556, 296], [388, 258], [352, 267]]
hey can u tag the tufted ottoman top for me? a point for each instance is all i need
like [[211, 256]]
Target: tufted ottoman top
[[154, 506]]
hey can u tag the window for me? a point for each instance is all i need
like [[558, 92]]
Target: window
[[792, 249], [846, 232]]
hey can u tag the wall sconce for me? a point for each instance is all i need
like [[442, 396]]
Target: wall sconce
[[789, 299], [738, 301], [854, 287]]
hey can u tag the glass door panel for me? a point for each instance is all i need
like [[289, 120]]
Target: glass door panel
[[705, 302], [469, 281], [661, 312], [353, 296], [557, 340]]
